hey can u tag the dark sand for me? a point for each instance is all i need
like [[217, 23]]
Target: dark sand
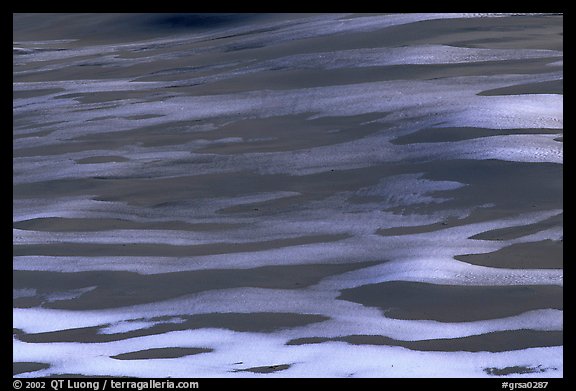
[[519, 231], [547, 87], [441, 135], [118, 289], [63, 224], [263, 322], [453, 303], [515, 370], [265, 369], [23, 367], [545, 254], [488, 182], [157, 353], [101, 159], [145, 249], [500, 341]]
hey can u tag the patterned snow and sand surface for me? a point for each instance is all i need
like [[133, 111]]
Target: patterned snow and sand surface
[[288, 195]]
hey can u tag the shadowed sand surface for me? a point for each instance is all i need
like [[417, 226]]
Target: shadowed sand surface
[[545, 254], [493, 342], [116, 289], [137, 249], [160, 353], [515, 370], [288, 195], [448, 303], [257, 322], [23, 367], [517, 232], [265, 369]]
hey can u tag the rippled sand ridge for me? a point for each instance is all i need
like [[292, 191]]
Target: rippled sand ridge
[[288, 195]]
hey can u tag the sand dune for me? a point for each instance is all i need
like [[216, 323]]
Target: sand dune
[[288, 195]]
